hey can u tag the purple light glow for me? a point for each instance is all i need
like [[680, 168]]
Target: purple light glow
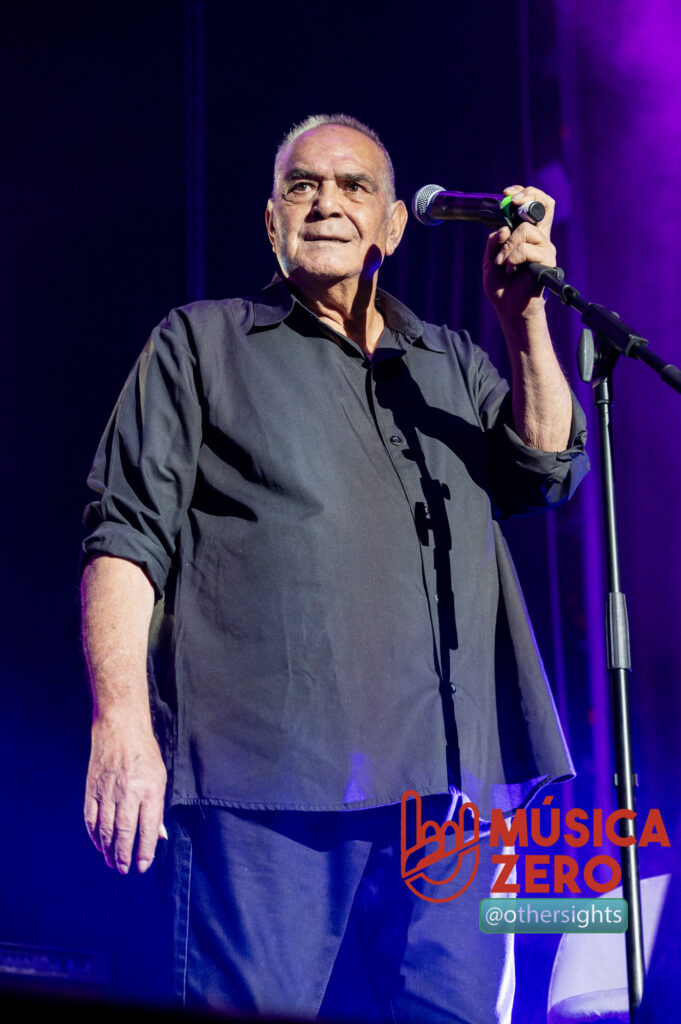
[[630, 84]]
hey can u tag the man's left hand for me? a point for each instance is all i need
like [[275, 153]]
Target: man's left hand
[[513, 293]]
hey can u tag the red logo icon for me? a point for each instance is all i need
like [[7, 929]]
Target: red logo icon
[[425, 844]]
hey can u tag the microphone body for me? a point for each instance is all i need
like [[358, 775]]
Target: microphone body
[[432, 204]]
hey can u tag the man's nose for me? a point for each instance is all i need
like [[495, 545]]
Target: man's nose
[[327, 201]]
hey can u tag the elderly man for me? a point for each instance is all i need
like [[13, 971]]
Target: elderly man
[[297, 504]]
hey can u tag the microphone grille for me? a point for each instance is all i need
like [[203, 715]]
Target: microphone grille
[[421, 202]]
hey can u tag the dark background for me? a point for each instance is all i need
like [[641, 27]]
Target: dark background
[[138, 143]]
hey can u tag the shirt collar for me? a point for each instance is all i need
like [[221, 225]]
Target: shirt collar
[[274, 303]]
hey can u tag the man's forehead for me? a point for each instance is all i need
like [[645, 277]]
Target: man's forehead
[[331, 142]]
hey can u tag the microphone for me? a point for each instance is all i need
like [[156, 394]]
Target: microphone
[[432, 204]]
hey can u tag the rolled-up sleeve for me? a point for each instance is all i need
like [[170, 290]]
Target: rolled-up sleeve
[[144, 470], [522, 479], [527, 479]]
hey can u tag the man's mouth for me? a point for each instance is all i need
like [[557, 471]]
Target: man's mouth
[[325, 238]]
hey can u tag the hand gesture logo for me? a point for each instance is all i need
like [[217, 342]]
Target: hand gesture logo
[[425, 844]]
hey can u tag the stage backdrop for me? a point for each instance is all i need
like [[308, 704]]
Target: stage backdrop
[[138, 142]]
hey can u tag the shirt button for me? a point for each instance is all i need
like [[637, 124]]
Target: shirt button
[[452, 687], [395, 439]]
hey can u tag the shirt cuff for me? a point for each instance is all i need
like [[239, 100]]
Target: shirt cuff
[[528, 479]]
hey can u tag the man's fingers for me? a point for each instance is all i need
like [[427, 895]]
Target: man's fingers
[[508, 250], [102, 814], [151, 829], [503, 242], [113, 830], [528, 195], [525, 232], [91, 815], [525, 252], [527, 242], [497, 238], [127, 818], [105, 831], [125, 793]]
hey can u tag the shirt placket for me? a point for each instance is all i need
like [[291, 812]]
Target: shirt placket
[[403, 447]]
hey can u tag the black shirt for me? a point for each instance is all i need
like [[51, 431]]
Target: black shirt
[[339, 619]]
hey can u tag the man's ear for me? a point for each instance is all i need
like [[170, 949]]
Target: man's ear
[[398, 221], [269, 222]]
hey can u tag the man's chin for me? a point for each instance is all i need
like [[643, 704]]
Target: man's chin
[[320, 273]]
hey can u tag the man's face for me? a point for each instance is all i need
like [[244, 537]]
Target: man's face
[[329, 219]]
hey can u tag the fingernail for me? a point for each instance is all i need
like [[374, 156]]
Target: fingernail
[[123, 868], [142, 865]]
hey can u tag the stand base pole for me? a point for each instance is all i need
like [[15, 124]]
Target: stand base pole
[[619, 667], [626, 800]]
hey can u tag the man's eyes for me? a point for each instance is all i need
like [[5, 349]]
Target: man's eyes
[[304, 188]]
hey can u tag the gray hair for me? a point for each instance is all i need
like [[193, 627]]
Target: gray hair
[[316, 121]]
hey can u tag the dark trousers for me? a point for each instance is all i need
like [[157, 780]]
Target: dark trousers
[[306, 914]]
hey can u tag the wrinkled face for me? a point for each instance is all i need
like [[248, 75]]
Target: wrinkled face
[[329, 219]]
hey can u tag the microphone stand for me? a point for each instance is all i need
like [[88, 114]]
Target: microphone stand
[[603, 340]]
